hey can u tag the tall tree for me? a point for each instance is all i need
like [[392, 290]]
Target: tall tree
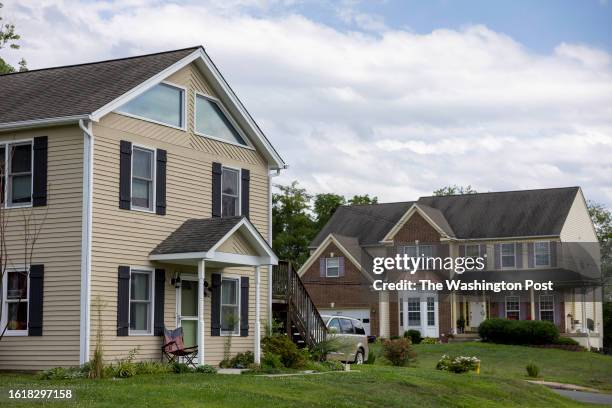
[[8, 37], [363, 199], [292, 227], [325, 205], [454, 190]]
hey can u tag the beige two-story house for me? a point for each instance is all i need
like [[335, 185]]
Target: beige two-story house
[[147, 185], [537, 235]]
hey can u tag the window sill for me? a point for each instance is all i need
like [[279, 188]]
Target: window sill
[[132, 334], [230, 334], [16, 333], [8, 207], [142, 210]]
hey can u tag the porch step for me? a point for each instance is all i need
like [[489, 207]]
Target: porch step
[[464, 337]]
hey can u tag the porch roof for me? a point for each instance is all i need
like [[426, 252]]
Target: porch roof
[[203, 239]]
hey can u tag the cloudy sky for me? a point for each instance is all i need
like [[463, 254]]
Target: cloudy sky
[[390, 98]]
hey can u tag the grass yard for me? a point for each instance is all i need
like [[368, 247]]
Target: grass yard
[[373, 386], [581, 368], [499, 385]]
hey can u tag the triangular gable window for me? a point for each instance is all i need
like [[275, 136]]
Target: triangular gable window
[[211, 121]]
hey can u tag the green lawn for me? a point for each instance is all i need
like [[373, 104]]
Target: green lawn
[[582, 368], [500, 384], [373, 386]]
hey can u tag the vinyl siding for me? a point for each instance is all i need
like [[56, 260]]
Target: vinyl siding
[[58, 248], [122, 237], [578, 226]]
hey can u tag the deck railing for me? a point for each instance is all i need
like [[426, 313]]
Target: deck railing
[[287, 285]]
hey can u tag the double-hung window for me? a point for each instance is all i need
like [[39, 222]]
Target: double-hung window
[[230, 308], [141, 302], [143, 173], [15, 307], [508, 259], [542, 253], [332, 267], [414, 311], [547, 310], [16, 168], [513, 308], [472, 251], [230, 192], [431, 311], [401, 312]]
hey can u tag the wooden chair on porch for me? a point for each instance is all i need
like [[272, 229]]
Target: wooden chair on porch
[[174, 348]]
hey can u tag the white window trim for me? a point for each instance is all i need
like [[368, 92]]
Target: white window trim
[[513, 310], [4, 317], [239, 189], [154, 198], [420, 311], [501, 255], [540, 310], [327, 275], [434, 311], [236, 332], [183, 109], [6, 146], [401, 311], [150, 272], [535, 253], [227, 115]]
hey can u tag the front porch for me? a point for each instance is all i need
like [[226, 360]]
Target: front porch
[[215, 266]]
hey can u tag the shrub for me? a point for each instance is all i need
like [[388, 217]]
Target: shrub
[[414, 335], [181, 368], [242, 360], [533, 370], [398, 352], [206, 369], [429, 340], [271, 361], [151, 367], [281, 345], [61, 373], [333, 365], [371, 358], [566, 341], [458, 365], [518, 331], [124, 369], [323, 348]]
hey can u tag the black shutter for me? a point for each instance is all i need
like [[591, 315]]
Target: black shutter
[[160, 188], [215, 309], [35, 318], [244, 192], [217, 170], [125, 175], [244, 306], [123, 301], [158, 318], [39, 173]]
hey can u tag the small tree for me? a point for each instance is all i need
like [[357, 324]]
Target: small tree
[[8, 37]]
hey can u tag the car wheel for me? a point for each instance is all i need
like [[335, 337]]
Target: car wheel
[[359, 357]]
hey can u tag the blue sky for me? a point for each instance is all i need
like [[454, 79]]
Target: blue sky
[[389, 98]]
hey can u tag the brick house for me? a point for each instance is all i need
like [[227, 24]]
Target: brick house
[[521, 235]]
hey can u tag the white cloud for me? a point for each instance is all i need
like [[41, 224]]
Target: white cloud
[[392, 113]]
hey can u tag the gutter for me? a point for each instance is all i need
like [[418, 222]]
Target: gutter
[[64, 120], [86, 224]]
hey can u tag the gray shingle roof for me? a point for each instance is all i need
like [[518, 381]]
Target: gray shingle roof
[[367, 223], [485, 215], [196, 235], [77, 89], [506, 214]]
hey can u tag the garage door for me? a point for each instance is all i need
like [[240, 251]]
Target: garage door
[[362, 314]]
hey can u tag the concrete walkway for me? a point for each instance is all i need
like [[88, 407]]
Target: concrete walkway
[[590, 397]]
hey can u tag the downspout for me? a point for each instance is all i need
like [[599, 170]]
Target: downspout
[[85, 332], [270, 176]]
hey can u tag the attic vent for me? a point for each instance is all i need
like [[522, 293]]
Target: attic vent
[[331, 255]]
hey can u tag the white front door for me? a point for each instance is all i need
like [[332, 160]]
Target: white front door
[[478, 313], [187, 309]]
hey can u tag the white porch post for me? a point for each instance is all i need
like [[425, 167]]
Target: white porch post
[[532, 304], [269, 303], [257, 336], [201, 270]]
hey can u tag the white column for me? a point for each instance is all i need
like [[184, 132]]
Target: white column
[[270, 297], [257, 345], [383, 314], [532, 304], [201, 270]]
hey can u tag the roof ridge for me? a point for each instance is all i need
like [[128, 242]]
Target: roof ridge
[[501, 192], [101, 62]]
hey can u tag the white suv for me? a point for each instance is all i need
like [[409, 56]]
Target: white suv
[[352, 336]]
